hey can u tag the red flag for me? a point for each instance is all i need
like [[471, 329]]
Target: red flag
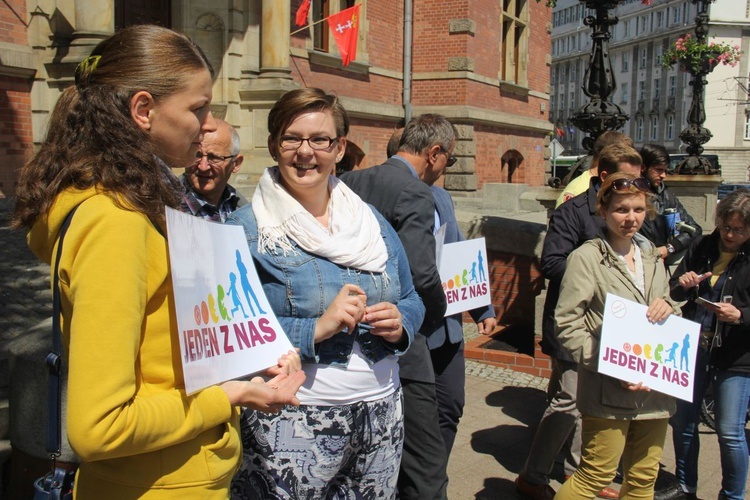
[[301, 18], [345, 30]]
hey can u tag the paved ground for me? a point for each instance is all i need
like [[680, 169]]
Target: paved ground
[[503, 406], [502, 410], [25, 297]]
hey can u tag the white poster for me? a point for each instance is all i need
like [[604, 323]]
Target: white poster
[[464, 274], [662, 355], [226, 327]]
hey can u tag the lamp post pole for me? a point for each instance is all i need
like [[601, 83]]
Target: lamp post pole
[[600, 113]]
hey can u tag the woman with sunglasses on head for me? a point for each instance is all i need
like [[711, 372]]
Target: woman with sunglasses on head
[[620, 419], [140, 105], [717, 269], [337, 277]]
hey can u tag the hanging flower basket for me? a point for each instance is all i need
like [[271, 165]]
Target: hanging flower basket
[[696, 57]]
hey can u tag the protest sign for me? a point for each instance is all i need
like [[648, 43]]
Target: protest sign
[[662, 355], [225, 324], [464, 274]]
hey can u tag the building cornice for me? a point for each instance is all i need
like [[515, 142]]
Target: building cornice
[[474, 115], [17, 60], [469, 75], [362, 108]]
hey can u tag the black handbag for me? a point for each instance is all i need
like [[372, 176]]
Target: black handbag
[[58, 483]]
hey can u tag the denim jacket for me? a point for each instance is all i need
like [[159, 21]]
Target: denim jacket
[[300, 286]]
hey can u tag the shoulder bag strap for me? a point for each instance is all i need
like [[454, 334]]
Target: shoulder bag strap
[[54, 358]]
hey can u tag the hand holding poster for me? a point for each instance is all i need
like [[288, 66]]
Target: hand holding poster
[[226, 327], [463, 271], [661, 356]]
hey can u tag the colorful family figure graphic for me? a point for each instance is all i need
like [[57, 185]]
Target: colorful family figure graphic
[[482, 276], [468, 277], [234, 294], [245, 281], [672, 353], [684, 364], [684, 353]]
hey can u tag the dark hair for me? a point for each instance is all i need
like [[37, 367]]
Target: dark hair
[[614, 154], [298, 101], [735, 203], [426, 130], [92, 140], [654, 154], [607, 192]]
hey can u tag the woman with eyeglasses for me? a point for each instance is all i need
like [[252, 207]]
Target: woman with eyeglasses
[[619, 419], [337, 277], [717, 268]]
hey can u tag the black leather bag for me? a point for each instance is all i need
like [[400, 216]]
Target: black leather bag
[[57, 484]]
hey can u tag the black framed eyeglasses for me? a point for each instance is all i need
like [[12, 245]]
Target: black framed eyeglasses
[[639, 183], [451, 160], [739, 231], [318, 143], [212, 159]]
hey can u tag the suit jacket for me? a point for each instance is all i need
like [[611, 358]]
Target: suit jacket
[[452, 326], [407, 204]]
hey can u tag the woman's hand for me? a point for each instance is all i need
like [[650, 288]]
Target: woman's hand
[[691, 280], [385, 320], [658, 311], [634, 387], [287, 364], [726, 312], [268, 397], [345, 311]]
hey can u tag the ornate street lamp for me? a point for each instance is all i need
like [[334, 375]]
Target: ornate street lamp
[[600, 113], [695, 135]]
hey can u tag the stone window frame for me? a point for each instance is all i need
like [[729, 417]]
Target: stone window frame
[[514, 47], [670, 127]]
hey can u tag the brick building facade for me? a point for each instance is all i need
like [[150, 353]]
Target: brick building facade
[[16, 73], [482, 63]]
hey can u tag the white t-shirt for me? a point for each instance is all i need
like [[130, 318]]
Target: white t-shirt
[[328, 385]]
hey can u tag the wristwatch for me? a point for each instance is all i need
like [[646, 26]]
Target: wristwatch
[[670, 248]]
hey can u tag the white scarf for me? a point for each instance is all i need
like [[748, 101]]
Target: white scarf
[[353, 237]]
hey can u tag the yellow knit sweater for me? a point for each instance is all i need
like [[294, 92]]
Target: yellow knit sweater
[[136, 431]]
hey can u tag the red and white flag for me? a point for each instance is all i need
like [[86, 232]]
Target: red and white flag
[[345, 30], [301, 17]]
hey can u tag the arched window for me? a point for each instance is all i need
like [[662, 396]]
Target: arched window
[[510, 161]]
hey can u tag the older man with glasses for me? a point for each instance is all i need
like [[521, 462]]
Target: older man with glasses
[[207, 190]]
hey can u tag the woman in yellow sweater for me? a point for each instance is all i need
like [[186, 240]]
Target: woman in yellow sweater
[[140, 105]]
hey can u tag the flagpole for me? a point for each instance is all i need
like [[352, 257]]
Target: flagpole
[[308, 25]]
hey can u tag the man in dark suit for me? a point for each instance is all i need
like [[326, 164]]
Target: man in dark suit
[[399, 190], [446, 342]]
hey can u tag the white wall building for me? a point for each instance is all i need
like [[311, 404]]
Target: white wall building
[[657, 99]]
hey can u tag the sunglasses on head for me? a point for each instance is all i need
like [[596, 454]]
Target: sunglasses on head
[[624, 184]]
